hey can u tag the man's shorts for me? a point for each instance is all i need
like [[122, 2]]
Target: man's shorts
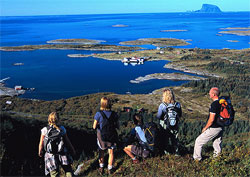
[[139, 151]]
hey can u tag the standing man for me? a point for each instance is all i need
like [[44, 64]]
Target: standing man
[[212, 131]]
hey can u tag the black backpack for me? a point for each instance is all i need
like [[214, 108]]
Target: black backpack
[[227, 112], [151, 132], [171, 117], [108, 130], [53, 141]]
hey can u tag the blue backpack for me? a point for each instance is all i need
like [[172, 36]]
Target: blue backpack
[[150, 131]]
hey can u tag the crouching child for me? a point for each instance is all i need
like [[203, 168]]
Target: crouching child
[[137, 134]]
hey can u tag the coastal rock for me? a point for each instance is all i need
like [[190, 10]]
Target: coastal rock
[[166, 76], [187, 70], [209, 8]]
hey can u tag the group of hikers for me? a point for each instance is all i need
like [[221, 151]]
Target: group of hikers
[[54, 139]]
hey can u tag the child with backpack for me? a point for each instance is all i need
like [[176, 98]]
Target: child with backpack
[[137, 134], [55, 142], [169, 113], [106, 123]]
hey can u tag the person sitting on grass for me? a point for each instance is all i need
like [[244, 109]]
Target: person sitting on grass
[[137, 133]]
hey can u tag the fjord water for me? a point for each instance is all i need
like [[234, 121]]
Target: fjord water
[[55, 76]]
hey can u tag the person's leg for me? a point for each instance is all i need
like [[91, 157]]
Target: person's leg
[[217, 144], [167, 140], [132, 152], [174, 141], [68, 170], [101, 156], [127, 149], [110, 161], [111, 157], [202, 139], [101, 161]]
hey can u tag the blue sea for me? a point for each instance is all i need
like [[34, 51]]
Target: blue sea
[[56, 76]]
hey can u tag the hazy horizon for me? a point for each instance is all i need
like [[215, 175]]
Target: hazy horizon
[[92, 7]]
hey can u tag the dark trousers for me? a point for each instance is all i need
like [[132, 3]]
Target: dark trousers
[[169, 141]]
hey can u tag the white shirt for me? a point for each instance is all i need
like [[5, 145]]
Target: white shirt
[[45, 130]]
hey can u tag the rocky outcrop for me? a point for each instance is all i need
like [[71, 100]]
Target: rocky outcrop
[[209, 8], [166, 76]]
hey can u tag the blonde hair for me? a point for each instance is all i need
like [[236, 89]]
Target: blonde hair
[[53, 119], [105, 104], [168, 96]]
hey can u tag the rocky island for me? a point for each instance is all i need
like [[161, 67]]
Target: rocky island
[[74, 44], [166, 76], [75, 41], [97, 47], [159, 42], [209, 8], [240, 31], [173, 30]]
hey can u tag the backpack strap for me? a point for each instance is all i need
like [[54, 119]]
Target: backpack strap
[[104, 115], [49, 128]]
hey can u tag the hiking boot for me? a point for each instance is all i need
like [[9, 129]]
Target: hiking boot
[[136, 161], [101, 171]]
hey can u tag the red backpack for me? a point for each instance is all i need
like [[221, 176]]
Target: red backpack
[[227, 112]]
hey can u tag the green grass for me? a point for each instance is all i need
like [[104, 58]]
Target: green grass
[[230, 163]]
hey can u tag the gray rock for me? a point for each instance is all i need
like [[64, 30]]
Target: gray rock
[[209, 8]]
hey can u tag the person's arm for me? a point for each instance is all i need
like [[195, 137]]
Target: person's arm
[[159, 113], [69, 144], [180, 115], [209, 122], [40, 147], [96, 120], [95, 124]]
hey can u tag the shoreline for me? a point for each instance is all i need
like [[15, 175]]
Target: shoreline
[[187, 70], [91, 47], [166, 76]]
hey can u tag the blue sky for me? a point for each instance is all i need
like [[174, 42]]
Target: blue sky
[[65, 7]]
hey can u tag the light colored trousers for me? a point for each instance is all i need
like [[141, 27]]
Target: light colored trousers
[[214, 134]]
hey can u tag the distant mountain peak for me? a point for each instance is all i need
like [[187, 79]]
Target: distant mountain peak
[[209, 8]]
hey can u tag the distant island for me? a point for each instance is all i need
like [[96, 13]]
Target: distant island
[[120, 25], [65, 46], [240, 31], [166, 76], [172, 30], [75, 41], [209, 8], [87, 44], [159, 42]]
